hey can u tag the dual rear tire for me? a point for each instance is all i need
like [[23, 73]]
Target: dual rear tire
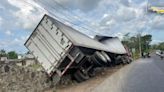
[[101, 59], [80, 76]]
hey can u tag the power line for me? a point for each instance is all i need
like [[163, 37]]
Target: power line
[[63, 18], [44, 9], [67, 9], [68, 16], [73, 14]]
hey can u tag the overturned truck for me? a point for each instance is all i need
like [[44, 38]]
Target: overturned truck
[[60, 49]]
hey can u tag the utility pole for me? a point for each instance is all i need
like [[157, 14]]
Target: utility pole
[[139, 43], [139, 34]]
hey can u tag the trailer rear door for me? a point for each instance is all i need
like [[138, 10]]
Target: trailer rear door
[[48, 44]]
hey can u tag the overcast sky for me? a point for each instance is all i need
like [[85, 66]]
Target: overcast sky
[[18, 18]]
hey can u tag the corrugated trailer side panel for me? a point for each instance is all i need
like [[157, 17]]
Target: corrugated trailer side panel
[[48, 44]]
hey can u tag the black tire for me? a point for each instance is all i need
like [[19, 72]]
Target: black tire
[[118, 60], [107, 57], [124, 60], [96, 62], [80, 76], [77, 78], [100, 58]]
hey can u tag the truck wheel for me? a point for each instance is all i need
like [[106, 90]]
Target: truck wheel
[[124, 60], [77, 78], [80, 76], [96, 62], [118, 60], [107, 57], [100, 58]]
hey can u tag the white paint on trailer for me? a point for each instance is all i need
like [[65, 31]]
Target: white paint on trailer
[[115, 45], [51, 40], [48, 45], [78, 38]]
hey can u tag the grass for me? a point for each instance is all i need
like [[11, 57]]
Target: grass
[[35, 66]]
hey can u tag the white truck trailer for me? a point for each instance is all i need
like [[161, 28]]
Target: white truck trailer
[[61, 49]]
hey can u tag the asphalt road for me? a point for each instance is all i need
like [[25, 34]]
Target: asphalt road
[[143, 75]]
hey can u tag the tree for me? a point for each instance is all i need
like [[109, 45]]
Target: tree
[[126, 40], [133, 42], [3, 53], [12, 55], [161, 46], [154, 47], [145, 42]]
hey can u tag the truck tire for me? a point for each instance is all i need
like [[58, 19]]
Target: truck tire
[[80, 76], [96, 62], [124, 60], [77, 78], [107, 57], [100, 58], [118, 60]]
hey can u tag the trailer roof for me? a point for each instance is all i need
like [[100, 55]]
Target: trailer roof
[[113, 43], [78, 38]]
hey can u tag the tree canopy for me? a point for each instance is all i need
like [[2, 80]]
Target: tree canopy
[[159, 46], [12, 55], [3, 53], [136, 41]]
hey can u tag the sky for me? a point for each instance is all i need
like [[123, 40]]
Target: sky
[[18, 18]]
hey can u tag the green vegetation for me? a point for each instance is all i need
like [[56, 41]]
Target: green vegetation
[[159, 46], [10, 55], [35, 66], [3, 53], [135, 42]]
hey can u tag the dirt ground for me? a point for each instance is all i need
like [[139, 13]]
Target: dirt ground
[[89, 85], [21, 79], [25, 79]]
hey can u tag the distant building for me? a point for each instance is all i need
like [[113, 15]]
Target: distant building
[[28, 59], [3, 59], [22, 60], [20, 56]]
